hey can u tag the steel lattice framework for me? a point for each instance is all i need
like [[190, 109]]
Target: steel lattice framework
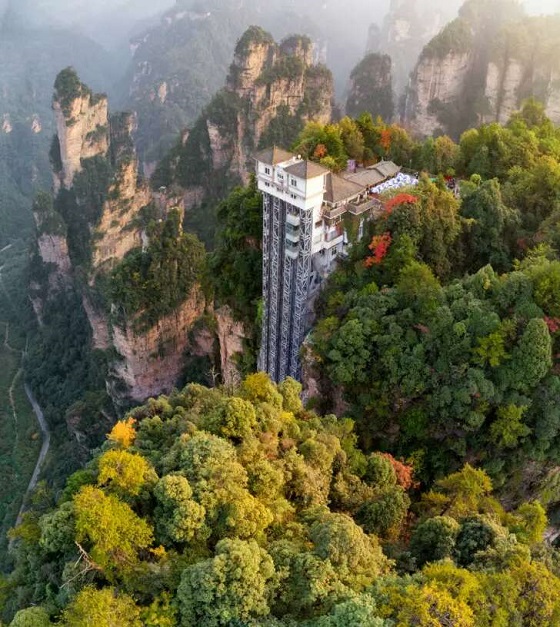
[[286, 275]]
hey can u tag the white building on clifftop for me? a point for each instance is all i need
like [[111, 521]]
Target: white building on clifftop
[[304, 209]]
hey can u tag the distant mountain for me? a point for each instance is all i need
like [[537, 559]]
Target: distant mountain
[[30, 61], [482, 66], [406, 29]]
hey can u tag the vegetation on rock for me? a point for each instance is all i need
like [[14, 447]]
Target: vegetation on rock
[[150, 284]]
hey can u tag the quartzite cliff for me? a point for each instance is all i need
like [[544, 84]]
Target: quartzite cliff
[[272, 90], [481, 68], [102, 211]]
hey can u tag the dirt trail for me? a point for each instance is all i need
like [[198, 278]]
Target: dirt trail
[[42, 454]]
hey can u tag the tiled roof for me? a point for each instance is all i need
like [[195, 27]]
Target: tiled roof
[[306, 170], [373, 175], [274, 156], [387, 168], [339, 189]]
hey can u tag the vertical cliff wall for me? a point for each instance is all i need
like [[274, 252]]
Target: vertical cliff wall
[[371, 88], [107, 237], [481, 68], [407, 28], [524, 63]]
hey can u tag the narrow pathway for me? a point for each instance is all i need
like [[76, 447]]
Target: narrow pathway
[[13, 405], [42, 454]]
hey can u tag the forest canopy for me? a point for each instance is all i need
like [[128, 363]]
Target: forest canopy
[[215, 508]]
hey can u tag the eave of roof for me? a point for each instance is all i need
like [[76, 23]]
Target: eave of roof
[[274, 156], [306, 170]]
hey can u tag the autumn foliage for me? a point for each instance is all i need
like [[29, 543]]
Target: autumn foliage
[[123, 433], [405, 474], [553, 324], [385, 139], [398, 200], [320, 151], [379, 247]]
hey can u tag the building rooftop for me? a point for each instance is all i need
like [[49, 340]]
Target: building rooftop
[[339, 189], [274, 156], [306, 170], [375, 174], [388, 168]]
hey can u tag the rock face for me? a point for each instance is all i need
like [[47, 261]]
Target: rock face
[[231, 336], [435, 82], [272, 90], [54, 250], [502, 90], [482, 67], [274, 77], [116, 231], [521, 66], [407, 28], [102, 211], [371, 88], [152, 361], [81, 125]]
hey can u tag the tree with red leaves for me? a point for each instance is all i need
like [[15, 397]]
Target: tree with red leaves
[[320, 151], [553, 324], [398, 200], [405, 474], [379, 247]]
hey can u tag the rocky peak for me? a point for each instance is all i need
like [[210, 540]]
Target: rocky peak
[[371, 87], [272, 90], [81, 123], [254, 51], [482, 66]]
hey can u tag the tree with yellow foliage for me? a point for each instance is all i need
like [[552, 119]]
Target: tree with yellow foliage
[[123, 433]]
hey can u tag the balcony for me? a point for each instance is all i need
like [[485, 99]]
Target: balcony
[[358, 208], [292, 249], [331, 213], [292, 219], [332, 235]]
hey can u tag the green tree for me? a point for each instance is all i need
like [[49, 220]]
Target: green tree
[[385, 515], [360, 610], [379, 471], [178, 517], [101, 608], [357, 557], [508, 428], [531, 359], [58, 529], [352, 138], [31, 617], [112, 530], [124, 473], [233, 585], [291, 395], [475, 535], [491, 225], [235, 263], [434, 539]]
